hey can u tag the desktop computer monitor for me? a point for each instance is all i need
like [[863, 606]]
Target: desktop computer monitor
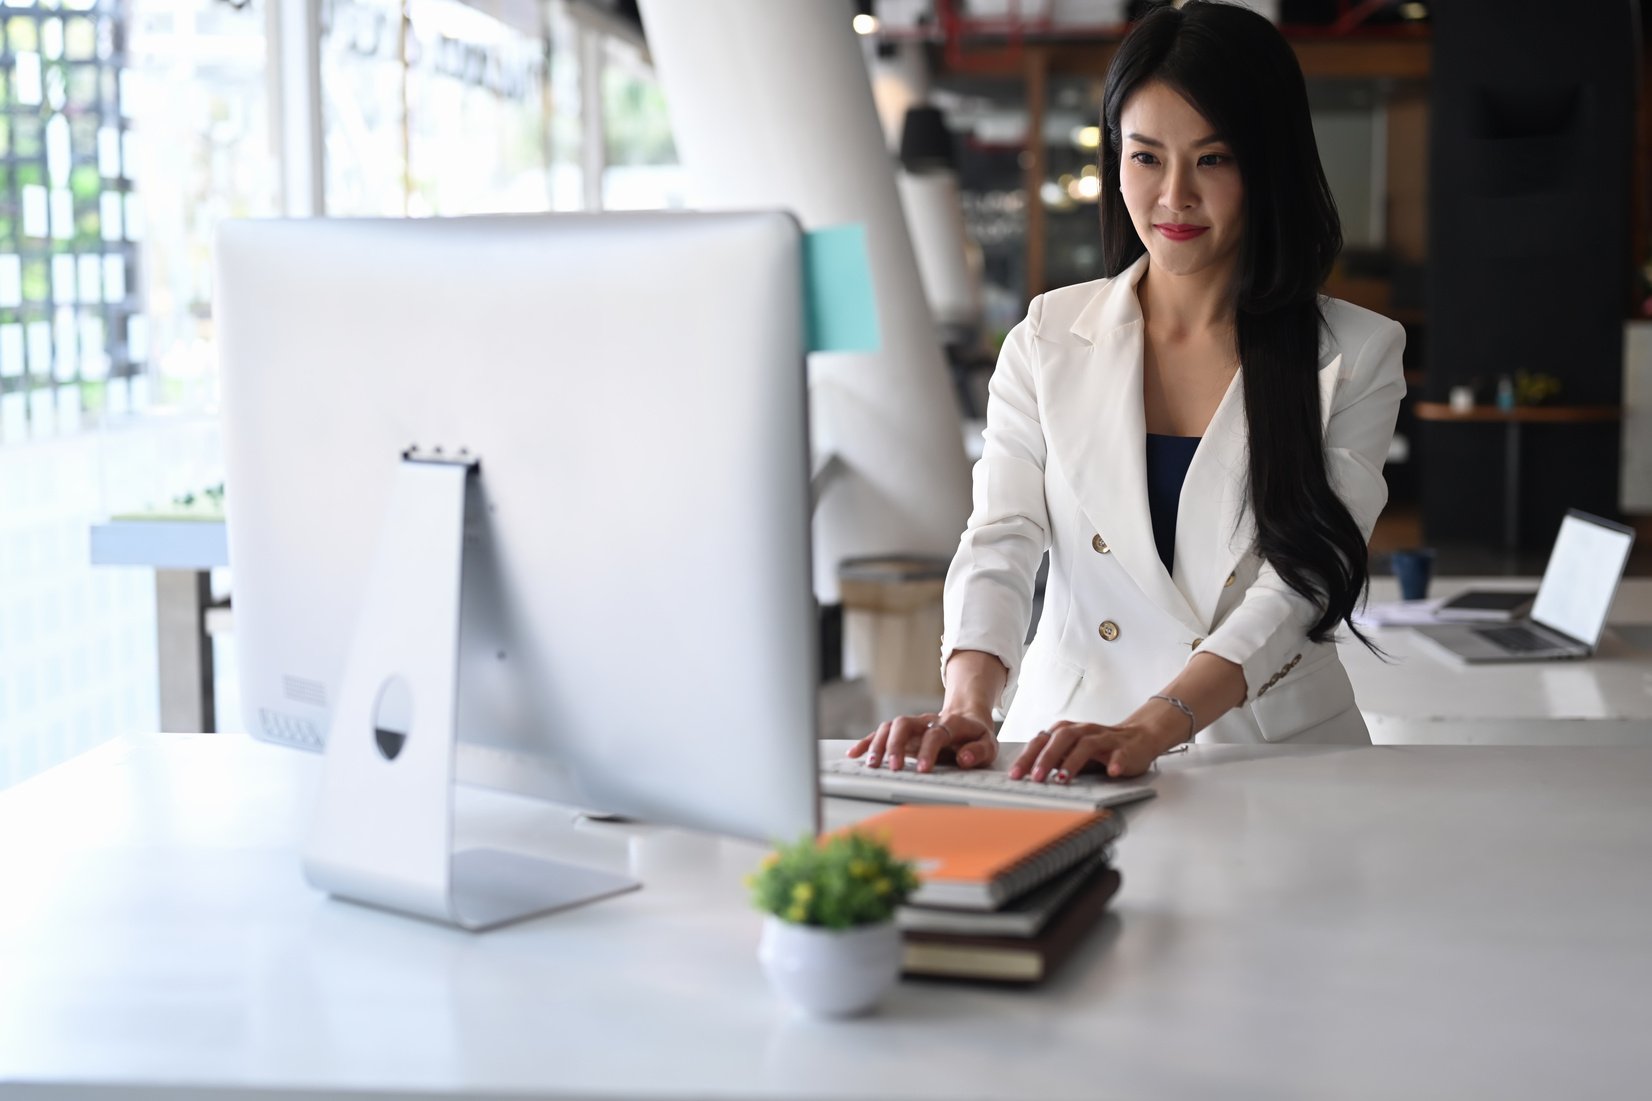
[[626, 397]]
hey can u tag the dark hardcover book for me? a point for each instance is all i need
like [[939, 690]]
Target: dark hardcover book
[[1012, 959]]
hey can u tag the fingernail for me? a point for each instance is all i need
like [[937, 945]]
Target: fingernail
[[1016, 772], [966, 758], [873, 762], [1038, 773], [923, 766]]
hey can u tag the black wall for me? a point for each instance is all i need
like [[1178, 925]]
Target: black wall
[[1531, 138]]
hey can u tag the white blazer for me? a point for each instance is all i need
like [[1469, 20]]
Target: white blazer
[[1064, 470]]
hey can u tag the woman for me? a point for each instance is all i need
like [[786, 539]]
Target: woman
[[1197, 440]]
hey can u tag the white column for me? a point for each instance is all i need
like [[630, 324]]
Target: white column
[[771, 106], [294, 29]]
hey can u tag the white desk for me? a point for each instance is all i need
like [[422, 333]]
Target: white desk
[[1294, 923], [1418, 699]]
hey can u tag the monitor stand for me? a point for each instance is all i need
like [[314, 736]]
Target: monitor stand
[[383, 832]]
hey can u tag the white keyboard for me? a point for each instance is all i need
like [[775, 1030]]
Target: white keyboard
[[850, 778]]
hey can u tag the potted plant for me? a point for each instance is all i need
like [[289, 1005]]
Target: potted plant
[[830, 945]]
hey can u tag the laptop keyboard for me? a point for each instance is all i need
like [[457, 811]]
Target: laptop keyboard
[[1517, 640]]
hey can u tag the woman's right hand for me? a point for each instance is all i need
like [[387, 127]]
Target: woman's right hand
[[936, 736]]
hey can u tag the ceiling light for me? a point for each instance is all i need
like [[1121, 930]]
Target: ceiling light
[[866, 24], [1414, 11]]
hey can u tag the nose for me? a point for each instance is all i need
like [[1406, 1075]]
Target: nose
[[1179, 190]]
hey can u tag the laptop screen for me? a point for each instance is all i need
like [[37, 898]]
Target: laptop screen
[[1583, 573]]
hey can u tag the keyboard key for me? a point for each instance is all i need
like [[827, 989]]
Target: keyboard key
[[1517, 640], [851, 778]]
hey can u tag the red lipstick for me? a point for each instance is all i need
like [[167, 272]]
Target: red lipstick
[[1179, 232]]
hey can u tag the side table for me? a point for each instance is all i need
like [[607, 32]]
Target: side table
[[1511, 420], [183, 553]]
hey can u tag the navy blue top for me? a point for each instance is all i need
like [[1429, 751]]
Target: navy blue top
[[1168, 458]]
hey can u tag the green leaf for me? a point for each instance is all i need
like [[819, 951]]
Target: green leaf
[[837, 882]]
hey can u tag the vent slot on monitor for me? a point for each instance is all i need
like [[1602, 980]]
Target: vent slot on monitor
[[281, 726], [303, 690]]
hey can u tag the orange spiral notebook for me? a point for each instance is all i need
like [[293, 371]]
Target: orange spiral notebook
[[978, 858]]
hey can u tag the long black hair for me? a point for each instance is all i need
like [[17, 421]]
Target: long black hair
[[1237, 70]]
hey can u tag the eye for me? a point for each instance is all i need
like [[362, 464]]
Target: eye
[[1143, 159], [1214, 160]]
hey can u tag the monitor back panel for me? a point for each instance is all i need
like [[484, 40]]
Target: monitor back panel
[[634, 388]]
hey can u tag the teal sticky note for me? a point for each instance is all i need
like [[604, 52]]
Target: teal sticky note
[[841, 311]]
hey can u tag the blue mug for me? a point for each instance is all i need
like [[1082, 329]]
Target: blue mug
[[1413, 568]]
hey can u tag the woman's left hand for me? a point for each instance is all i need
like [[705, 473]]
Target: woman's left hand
[[1064, 750]]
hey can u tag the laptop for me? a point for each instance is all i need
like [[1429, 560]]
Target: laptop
[[1569, 613]]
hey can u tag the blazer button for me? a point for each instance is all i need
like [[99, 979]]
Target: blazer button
[[1100, 544], [1109, 630], [1228, 584]]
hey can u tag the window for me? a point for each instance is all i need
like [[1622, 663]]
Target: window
[[434, 107], [199, 152], [566, 118], [478, 134], [363, 99], [640, 162], [70, 340], [128, 128]]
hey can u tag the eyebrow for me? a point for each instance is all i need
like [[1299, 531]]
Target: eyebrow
[[1214, 139]]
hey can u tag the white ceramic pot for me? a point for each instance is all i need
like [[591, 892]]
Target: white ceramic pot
[[831, 972]]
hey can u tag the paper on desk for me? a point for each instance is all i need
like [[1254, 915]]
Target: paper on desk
[[1398, 613]]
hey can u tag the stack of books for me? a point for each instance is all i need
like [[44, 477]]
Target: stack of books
[[1006, 893]]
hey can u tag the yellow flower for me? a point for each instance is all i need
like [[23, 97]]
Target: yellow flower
[[859, 869], [771, 860], [882, 886], [803, 892], [796, 914]]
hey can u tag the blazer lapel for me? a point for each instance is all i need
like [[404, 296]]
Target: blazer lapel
[[1208, 514], [1330, 374], [1097, 434], [1211, 542]]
